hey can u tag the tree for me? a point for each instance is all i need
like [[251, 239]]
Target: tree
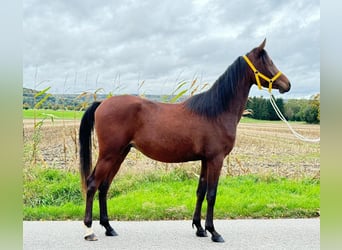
[[262, 108], [294, 109], [272, 115], [311, 113], [303, 109]]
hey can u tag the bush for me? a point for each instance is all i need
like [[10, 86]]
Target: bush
[[303, 110]]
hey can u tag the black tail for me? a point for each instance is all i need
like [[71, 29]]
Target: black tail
[[86, 127]]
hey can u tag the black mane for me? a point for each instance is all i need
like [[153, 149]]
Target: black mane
[[215, 101]]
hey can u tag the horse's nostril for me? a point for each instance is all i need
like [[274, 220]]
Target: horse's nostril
[[289, 85]]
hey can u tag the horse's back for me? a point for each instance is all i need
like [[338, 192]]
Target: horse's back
[[119, 106], [135, 109]]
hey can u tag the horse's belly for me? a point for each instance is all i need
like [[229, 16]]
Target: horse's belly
[[169, 154]]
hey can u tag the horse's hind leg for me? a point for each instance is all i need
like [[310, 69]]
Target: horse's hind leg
[[103, 190], [101, 177], [91, 190]]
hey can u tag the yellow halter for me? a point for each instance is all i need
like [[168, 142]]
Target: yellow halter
[[258, 74]]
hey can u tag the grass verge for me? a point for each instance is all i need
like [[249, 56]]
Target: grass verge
[[57, 114], [51, 194], [72, 114]]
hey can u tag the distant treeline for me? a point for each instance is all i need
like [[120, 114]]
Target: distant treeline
[[32, 97], [293, 109], [259, 107], [69, 101]]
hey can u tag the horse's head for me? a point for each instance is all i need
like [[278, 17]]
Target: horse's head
[[263, 67]]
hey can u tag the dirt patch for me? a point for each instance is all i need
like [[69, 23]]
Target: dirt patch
[[260, 148]]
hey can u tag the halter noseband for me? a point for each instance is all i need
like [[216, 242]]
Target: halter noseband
[[258, 74]]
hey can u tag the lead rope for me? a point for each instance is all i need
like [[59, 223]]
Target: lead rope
[[270, 81], [281, 117]]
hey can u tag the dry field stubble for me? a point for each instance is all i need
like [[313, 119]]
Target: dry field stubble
[[263, 148]]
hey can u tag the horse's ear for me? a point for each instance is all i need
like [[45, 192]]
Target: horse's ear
[[262, 45]]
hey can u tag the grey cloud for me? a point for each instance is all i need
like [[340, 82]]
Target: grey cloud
[[162, 41]]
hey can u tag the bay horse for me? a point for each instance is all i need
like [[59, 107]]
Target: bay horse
[[202, 128]]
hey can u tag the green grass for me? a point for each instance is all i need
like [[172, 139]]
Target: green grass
[[57, 114], [246, 119], [71, 114], [51, 194]]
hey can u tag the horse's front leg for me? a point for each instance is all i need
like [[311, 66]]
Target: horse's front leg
[[214, 169], [201, 191]]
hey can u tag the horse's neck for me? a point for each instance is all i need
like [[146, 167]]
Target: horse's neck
[[238, 103]]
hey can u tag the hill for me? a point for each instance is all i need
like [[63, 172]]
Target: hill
[[72, 101]]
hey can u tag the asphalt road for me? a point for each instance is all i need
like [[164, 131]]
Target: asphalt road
[[238, 234]]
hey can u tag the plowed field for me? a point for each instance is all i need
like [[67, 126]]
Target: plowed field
[[260, 148]]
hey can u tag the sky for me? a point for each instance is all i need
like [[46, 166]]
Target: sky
[[148, 47]]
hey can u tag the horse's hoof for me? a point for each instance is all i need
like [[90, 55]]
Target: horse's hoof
[[201, 233], [217, 238], [90, 237], [111, 233]]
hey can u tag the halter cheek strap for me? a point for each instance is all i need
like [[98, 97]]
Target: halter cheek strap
[[258, 75]]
